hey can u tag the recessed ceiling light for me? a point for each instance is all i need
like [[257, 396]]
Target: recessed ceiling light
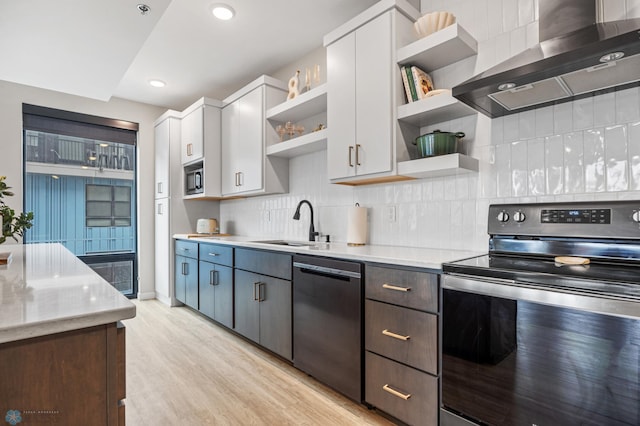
[[157, 83], [143, 9], [222, 11]]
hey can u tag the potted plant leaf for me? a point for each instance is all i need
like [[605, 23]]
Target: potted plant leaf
[[13, 225]]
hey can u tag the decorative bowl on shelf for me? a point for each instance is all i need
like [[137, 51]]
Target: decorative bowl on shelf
[[432, 22], [438, 143]]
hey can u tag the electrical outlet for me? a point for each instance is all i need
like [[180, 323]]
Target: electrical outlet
[[266, 216], [391, 213]]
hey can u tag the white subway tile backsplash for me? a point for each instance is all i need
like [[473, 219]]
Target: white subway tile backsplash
[[614, 10], [535, 166], [594, 160], [615, 143], [604, 110], [573, 163], [626, 105], [509, 15], [634, 155], [544, 121], [519, 169], [563, 118], [588, 149], [554, 163], [525, 12], [503, 171], [583, 113], [511, 127]]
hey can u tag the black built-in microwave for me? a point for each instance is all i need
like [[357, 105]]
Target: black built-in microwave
[[193, 181]]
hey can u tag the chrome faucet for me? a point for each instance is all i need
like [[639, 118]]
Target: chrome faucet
[[296, 216]]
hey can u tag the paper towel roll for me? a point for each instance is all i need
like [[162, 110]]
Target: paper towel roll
[[357, 226]]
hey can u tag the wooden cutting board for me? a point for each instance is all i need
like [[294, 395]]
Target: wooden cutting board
[[572, 260]]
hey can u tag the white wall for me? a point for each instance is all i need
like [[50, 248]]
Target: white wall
[[12, 96], [549, 154]]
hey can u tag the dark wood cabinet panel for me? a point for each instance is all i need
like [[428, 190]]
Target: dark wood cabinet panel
[[246, 305], [215, 287], [276, 315], [75, 377], [264, 262], [405, 335], [411, 289], [215, 253], [405, 393]]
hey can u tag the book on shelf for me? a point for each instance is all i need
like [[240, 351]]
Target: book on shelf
[[417, 83], [422, 81]]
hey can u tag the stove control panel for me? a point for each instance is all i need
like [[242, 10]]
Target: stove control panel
[[582, 219], [586, 216]]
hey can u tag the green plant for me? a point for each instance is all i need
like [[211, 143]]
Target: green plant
[[12, 225]]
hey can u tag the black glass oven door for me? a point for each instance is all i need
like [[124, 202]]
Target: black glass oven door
[[514, 362]]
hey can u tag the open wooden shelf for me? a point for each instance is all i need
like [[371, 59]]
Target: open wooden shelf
[[441, 165], [305, 144], [302, 106]]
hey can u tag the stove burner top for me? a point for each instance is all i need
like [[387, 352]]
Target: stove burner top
[[620, 280]]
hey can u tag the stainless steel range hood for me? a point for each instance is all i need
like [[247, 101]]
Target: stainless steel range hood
[[576, 57]]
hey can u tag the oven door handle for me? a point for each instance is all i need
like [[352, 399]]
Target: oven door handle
[[510, 289]]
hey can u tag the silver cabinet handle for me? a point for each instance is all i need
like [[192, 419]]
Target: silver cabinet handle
[[394, 392], [160, 209], [214, 254], [395, 336], [395, 287], [350, 154], [214, 278], [189, 149], [159, 187], [185, 270], [358, 146], [261, 292], [255, 292]]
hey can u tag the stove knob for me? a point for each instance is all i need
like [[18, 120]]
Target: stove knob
[[636, 216], [503, 217], [519, 217]]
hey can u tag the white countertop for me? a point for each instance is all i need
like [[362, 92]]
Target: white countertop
[[45, 289], [392, 255]]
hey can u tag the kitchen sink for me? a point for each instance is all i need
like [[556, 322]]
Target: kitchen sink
[[287, 243]]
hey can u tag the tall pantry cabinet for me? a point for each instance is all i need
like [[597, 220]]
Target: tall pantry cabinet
[[173, 214]]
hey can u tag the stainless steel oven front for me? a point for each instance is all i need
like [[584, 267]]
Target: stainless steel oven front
[[521, 355], [545, 328]]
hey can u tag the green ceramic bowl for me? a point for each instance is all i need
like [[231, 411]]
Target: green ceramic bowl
[[437, 143]]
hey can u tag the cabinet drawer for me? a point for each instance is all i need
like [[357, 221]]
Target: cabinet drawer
[[417, 290], [405, 335], [214, 253], [388, 383], [264, 262], [187, 248]]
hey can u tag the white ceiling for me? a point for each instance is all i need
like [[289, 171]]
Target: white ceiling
[[104, 48]]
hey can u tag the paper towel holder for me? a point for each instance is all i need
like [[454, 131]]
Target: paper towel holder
[[360, 235]]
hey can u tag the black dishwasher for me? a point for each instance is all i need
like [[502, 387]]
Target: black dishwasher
[[327, 322]]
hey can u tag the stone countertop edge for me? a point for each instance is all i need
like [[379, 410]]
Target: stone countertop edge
[[428, 258], [45, 290]]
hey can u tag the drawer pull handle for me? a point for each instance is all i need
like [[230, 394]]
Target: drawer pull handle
[[214, 254], [395, 336], [395, 287], [394, 392]]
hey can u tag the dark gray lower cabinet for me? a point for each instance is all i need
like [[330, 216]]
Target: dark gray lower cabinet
[[263, 311], [216, 292], [186, 280]]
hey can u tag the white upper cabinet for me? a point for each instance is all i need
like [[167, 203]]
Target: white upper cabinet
[[193, 135], [200, 145], [245, 168], [362, 91]]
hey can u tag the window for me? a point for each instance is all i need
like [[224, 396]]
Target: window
[[80, 182], [108, 205]]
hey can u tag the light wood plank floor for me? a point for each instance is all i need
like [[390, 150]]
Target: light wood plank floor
[[182, 369]]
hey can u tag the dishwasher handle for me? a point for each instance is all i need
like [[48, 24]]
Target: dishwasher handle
[[325, 270]]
